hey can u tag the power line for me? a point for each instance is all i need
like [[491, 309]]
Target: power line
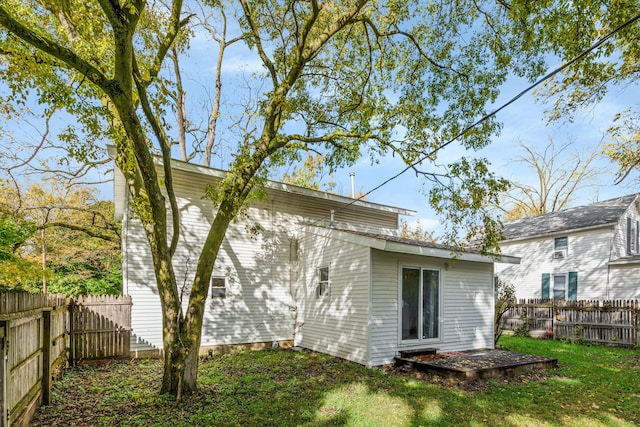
[[546, 77]]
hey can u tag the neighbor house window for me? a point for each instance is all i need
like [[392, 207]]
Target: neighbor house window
[[560, 247], [632, 236], [218, 287], [323, 284], [420, 295], [560, 286]]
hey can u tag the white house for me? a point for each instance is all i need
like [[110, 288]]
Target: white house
[[586, 252], [316, 269]]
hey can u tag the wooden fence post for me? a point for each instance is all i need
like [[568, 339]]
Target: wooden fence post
[[636, 315], [72, 338], [46, 356], [4, 409]]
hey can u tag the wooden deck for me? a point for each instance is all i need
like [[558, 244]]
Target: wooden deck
[[475, 364]]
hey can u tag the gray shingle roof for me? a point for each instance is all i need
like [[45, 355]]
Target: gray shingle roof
[[603, 213]]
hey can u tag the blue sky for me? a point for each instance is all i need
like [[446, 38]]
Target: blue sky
[[524, 121]]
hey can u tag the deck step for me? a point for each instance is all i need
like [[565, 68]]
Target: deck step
[[417, 352]]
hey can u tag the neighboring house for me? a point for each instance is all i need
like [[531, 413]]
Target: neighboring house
[[315, 269], [586, 252]]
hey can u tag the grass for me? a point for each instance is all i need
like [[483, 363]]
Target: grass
[[594, 386]]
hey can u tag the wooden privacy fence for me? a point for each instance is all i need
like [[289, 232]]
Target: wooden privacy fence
[[32, 341], [615, 322], [35, 332], [99, 327]]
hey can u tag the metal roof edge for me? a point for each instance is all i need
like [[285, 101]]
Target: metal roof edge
[[407, 248]]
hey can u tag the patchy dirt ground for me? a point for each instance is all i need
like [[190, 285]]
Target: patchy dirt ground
[[473, 385]]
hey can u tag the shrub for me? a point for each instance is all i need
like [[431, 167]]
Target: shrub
[[505, 298]]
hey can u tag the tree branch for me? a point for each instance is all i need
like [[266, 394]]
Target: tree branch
[[86, 230], [56, 50], [256, 39], [166, 156]]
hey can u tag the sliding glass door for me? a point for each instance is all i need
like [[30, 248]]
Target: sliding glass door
[[420, 304]]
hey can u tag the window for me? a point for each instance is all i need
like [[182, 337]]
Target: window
[[560, 247], [218, 287], [420, 304], [560, 286], [323, 285], [632, 236]]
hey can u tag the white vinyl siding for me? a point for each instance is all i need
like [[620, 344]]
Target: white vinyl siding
[[619, 249], [259, 269], [626, 280], [467, 305], [337, 323], [589, 257]]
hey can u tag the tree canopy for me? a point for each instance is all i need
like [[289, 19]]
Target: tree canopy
[[566, 30]]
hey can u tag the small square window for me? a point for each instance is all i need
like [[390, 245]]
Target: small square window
[[218, 287], [561, 243], [322, 285], [560, 246]]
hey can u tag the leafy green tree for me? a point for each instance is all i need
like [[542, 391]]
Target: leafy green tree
[[14, 269], [310, 174], [505, 299], [565, 30], [67, 227], [347, 79]]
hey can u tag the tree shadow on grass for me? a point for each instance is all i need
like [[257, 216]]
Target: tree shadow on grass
[[287, 388]]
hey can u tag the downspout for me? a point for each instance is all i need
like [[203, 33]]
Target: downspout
[[293, 279], [124, 241]]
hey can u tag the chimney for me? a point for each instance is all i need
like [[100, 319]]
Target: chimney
[[353, 186]]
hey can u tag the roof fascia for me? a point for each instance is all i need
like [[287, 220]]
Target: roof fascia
[[405, 248], [289, 188]]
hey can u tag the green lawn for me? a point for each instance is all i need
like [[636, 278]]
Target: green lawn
[[593, 386]]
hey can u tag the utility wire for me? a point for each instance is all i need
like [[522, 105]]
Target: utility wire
[[575, 59]]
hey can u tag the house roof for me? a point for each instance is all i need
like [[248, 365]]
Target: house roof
[[392, 243], [596, 215], [280, 186]]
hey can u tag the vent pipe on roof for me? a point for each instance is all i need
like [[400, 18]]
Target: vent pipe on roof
[[353, 186], [331, 221]]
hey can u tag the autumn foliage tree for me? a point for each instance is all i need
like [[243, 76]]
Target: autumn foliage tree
[[346, 79], [64, 234]]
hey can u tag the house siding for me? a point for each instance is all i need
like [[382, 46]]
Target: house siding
[[467, 305], [625, 282], [336, 324], [588, 254], [260, 268], [620, 234]]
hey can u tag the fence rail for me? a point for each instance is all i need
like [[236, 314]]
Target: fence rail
[[615, 322], [34, 329]]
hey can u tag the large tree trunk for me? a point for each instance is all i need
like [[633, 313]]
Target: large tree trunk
[[182, 334]]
